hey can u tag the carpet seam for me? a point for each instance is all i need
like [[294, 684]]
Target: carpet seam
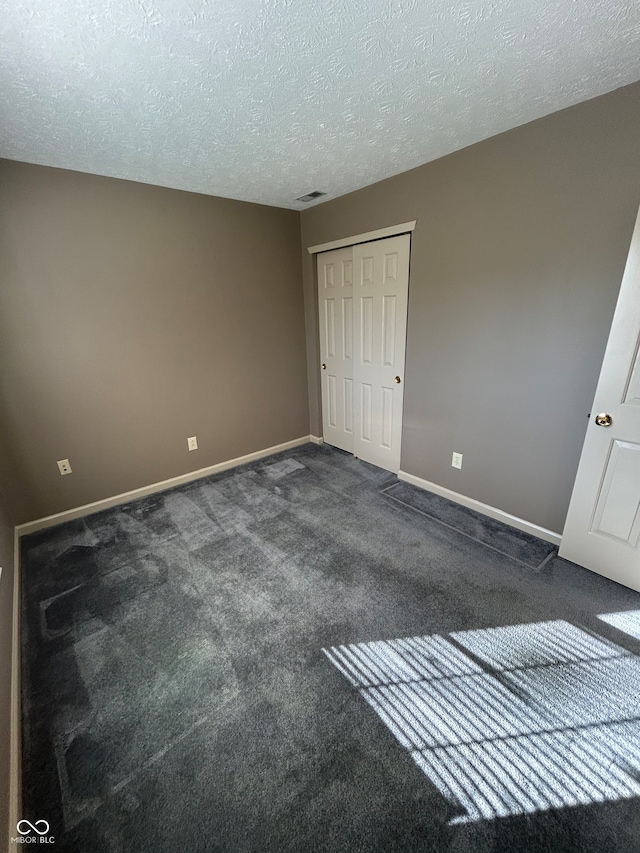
[[550, 556], [461, 532]]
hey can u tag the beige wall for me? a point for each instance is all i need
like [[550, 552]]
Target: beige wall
[[6, 614], [132, 317], [516, 262]]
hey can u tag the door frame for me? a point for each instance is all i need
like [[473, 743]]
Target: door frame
[[344, 242], [366, 237]]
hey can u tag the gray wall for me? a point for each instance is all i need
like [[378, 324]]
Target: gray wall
[[6, 616], [516, 263], [131, 317]]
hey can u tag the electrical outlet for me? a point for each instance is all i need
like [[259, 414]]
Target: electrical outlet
[[456, 460], [64, 466], [192, 443]]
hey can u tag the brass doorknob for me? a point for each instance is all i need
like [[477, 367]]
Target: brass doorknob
[[603, 419], [397, 380], [324, 366]]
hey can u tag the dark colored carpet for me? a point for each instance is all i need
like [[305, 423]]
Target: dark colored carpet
[[305, 655]]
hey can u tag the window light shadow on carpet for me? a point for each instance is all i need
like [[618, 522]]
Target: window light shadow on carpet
[[628, 622], [509, 720]]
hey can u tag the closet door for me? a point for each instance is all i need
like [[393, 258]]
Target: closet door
[[363, 293], [335, 295], [381, 288]]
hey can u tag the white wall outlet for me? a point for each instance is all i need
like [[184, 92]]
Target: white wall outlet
[[456, 460], [64, 466], [192, 443]]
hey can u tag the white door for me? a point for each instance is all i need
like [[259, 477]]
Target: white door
[[381, 289], [335, 293], [602, 532], [363, 293]]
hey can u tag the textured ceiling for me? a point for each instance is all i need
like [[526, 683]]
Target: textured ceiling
[[265, 100]]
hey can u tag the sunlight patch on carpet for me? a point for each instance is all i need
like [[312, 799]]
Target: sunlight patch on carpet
[[509, 720], [627, 621]]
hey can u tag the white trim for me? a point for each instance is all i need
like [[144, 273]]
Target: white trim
[[316, 439], [391, 231], [484, 509], [15, 751], [125, 497]]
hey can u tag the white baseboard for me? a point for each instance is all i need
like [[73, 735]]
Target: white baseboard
[[316, 439], [125, 497], [484, 509], [15, 751]]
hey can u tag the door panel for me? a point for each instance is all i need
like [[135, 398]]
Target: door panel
[[381, 273], [387, 418], [388, 330], [366, 330], [347, 402], [332, 414], [347, 327], [330, 321], [365, 413], [632, 397], [602, 532], [335, 295], [616, 514]]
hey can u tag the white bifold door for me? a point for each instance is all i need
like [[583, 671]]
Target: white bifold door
[[602, 532], [363, 292]]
